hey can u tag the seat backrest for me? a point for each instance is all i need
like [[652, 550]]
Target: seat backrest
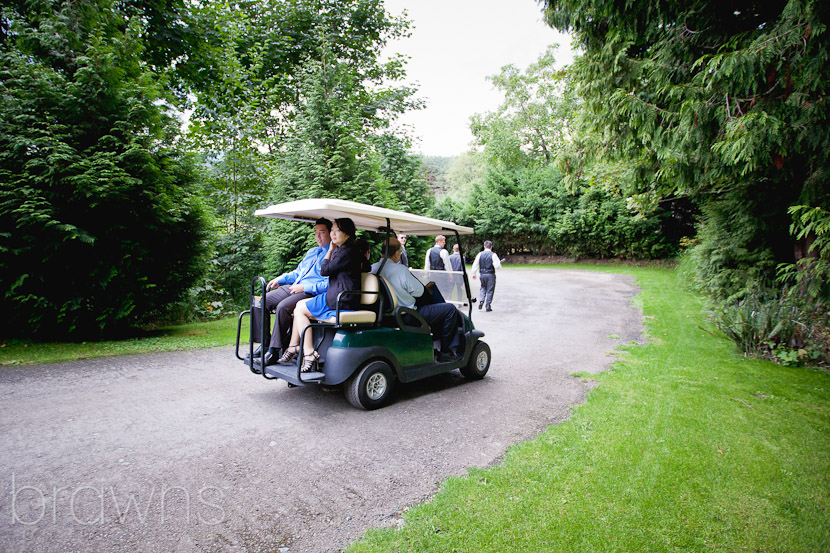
[[393, 298], [369, 283]]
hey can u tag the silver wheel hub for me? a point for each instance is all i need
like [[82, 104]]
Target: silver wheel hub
[[481, 361], [376, 386]]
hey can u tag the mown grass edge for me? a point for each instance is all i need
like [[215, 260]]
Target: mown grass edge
[[683, 445]]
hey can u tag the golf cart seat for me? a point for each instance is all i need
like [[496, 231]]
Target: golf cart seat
[[392, 298], [369, 294], [395, 312]]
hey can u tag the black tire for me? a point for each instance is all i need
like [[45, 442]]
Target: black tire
[[479, 362], [371, 386]]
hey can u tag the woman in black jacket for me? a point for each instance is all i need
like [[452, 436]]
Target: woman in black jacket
[[343, 264]]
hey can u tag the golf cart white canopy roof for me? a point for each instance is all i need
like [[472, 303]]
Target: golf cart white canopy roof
[[366, 217]]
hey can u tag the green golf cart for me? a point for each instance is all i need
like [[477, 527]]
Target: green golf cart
[[368, 350]]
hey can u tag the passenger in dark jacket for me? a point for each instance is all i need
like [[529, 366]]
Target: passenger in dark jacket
[[343, 264]]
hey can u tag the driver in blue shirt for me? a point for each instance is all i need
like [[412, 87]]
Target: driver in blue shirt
[[288, 289]]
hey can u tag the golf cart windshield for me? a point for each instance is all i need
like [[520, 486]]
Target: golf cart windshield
[[450, 284]]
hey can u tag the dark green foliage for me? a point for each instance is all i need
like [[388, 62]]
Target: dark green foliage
[[233, 187], [237, 257], [285, 244], [403, 174], [722, 103], [733, 254], [532, 211], [524, 204], [704, 94], [603, 226], [98, 228], [325, 154], [772, 310], [767, 323], [435, 170], [809, 277]]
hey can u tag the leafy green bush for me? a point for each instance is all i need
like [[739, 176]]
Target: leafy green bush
[[742, 237], [238, 258], [770, 324], [531, 210], [809, 277], [785, 320], [777, 328], [99, 226]]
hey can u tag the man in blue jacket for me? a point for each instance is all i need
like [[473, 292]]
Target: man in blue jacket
[[288, 289]]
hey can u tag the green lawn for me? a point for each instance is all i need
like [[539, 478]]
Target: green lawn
[[198, 335], [683, 446]]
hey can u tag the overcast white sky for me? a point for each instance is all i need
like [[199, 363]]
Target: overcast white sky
[[455, 45]]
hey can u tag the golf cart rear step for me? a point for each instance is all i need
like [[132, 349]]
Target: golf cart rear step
[[289, 374]]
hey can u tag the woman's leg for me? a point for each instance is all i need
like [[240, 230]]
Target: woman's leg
[[302, 318]]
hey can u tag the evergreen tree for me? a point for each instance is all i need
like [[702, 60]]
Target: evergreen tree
[[298, 91], [524, 203], [98, 227], [724, 103], [721, 102]]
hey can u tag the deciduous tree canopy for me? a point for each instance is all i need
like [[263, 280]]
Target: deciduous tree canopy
[[99, 228]]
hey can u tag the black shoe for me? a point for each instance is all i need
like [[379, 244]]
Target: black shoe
[[447, 356], [257, 351], [480, 305], [489, 309], [270, 359]]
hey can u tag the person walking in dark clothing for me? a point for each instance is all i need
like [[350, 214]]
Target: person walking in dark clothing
[[457, 281]]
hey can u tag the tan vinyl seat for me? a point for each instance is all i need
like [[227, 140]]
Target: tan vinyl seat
[[393, 298], [368, 283]]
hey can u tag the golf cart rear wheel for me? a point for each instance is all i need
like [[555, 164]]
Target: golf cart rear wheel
[[479, 362], [371, 386]]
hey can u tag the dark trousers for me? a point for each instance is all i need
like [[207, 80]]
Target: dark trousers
[[441, 318], [488, 286], [284, 301]]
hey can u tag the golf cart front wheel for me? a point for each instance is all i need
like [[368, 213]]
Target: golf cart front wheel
[[371, 386], [479, 362]]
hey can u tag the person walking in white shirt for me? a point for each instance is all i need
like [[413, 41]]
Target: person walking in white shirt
[[437, 258], [485, 264]]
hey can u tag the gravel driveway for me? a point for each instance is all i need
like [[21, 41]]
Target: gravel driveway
[[189, 451]]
